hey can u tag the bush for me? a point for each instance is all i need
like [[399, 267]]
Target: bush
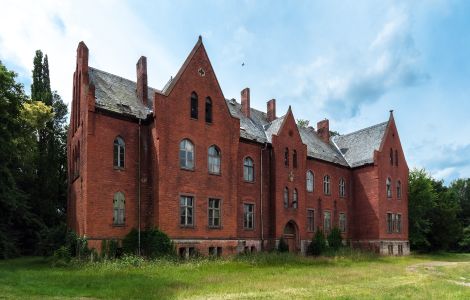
[[61, 257], [318, 244], [282, 246], [153, 243], [335, 240]]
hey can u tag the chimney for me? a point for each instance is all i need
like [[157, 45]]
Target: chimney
[[323, 130], [82, 57], [246, 102], [271, 110], [142, 87]]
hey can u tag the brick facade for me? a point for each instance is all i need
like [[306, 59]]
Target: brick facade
[[152, 181]]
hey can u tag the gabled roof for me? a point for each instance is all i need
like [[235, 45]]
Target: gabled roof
[[358, 147], [119, 95]]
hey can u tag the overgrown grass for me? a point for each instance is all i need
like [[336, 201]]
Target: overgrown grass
[[347, 275]]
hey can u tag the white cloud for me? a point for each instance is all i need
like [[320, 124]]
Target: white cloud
[[115, 37]]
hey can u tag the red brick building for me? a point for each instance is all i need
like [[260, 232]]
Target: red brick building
[[219, 176]]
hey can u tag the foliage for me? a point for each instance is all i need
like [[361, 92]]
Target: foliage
[[465, 241], [282, 246], [436, 212], [303, 123], [334, 133], [318, 244], [335, 240], [154, 243]]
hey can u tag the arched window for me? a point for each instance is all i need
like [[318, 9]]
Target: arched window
[[194, 105], [286, 157], [119, 152], [186, 154], [295, 198], [398, 189], [309, 181], [294, 159], [286, 197], [208, 110], [389, 187], [326, 185], [342, 187], [119, 216], [391, 156], [248, 169], [214, 160], [396, 158]]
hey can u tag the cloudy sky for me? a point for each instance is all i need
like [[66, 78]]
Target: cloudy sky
[[348, 61]]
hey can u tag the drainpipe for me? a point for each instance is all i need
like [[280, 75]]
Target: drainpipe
[[261, 195], [138, 192]]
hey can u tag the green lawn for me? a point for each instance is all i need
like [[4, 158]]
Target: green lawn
[[264, 276]]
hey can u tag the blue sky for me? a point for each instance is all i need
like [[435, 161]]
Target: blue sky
[[348, 61]]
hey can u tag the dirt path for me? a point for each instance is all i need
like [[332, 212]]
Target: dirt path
[[430, 267]]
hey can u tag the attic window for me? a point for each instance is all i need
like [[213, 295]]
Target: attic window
[[291, 133]]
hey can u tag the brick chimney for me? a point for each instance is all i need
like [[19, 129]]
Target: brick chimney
[[246, 102], [323, 130], [271, 110], [142, 87]]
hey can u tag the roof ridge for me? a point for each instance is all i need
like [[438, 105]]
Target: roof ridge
[[360, 130], [120, 77], [251, 108]]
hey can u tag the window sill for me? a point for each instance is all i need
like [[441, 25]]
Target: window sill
[[119, 168], [187, 169], [119, 225], [248, 229], [215, 174], [214, 227], [250, 182], [187, 226]]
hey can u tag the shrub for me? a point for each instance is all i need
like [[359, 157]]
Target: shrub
[[282, 246], [61, 257], [335, 240], [153, 243], [318, 244]]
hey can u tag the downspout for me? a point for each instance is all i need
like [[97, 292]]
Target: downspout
[[261, 195], [138, 192]]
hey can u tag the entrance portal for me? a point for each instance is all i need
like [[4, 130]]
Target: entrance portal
[[291, 236]]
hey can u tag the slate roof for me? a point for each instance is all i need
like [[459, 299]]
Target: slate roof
[[119, 95], [358, 147]]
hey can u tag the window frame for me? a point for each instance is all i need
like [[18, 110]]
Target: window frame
[[193, 214], [327, 185], [342, 220], [325, 230], [194, 106], [389, 218], [286, 157], [185, 167], [399, 189], [294, 159], [286, 197], [399, 225], [219, 209], [309, 172], [212, 157], [342, 187], [119, 152], [248, 167], [208, 110], [388, 188], [310, 220], [119, 212], [252, 214], [295, 199]]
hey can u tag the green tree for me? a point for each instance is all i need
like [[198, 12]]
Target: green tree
[[303, 123], [335, 240], [421, 200], [318, 244]]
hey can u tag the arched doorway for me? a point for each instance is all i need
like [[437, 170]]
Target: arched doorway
[[291, 236]]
